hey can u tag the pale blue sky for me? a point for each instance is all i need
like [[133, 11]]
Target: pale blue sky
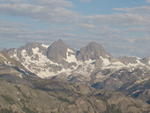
[[104, 6], [121, 26]]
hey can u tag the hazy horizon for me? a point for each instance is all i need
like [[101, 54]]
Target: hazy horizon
[[122, 27]]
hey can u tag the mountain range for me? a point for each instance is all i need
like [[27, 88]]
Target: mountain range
[[39, 78]]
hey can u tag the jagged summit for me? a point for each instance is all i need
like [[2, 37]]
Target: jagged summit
[[59, 41], [92, 51], [57, 51], [58, 58], [54, 69]]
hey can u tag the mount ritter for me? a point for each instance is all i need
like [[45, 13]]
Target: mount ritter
[[39, 78]]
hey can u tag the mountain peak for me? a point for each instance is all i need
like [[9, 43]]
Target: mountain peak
[[95, 45], [59, 42], [57, 51], [92, 51]]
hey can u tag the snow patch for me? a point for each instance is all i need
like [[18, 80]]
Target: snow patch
[[38, 63], [149, 62], [35, 50], [90, 61], [106, 61], [44, 45], [139, 63], [46, 73], [2, 56], [118, 63], [70, 56]]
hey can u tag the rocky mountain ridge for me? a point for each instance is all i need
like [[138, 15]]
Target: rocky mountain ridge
[[48, 61], [57, 78]]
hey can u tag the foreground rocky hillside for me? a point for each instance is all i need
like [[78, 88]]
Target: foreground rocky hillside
[[49, 96], [38, 78]]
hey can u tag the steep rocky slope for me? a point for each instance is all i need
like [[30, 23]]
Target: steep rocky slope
[[38, 78], [49, 96], [10, 66], [58, 58]]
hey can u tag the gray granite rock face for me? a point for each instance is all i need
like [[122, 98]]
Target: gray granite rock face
[[92, 51], [57, 51], [59, 58]]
